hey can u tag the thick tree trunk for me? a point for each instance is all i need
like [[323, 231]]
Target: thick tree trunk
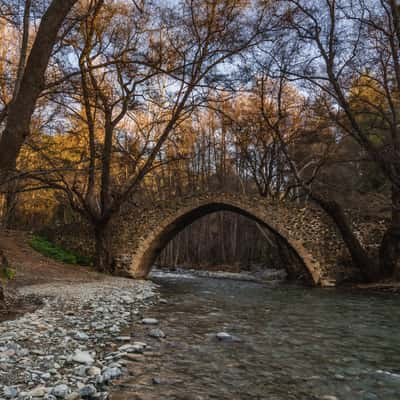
[[103, 258], [32, 83], [369, 269], [389, 252], [10, 205]]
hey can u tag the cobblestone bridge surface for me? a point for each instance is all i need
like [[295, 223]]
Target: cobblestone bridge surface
[[139, 235]]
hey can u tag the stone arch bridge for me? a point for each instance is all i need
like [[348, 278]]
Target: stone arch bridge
[[139, 235]]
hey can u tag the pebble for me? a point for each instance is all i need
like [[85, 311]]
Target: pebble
[[46, 376], [60, 391], [113, 329], [149, 321], [68, 343], [111, 373], [123, 338], [156, 333], [39, 391], [87, 391], [81, 336], [82, 357], [224, 336], [10, 392], [93, 371], [80, 371]]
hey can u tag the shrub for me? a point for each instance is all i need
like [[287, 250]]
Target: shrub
[[52, 250], [8, 273]]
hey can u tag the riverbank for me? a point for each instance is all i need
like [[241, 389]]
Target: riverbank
[[64, 340], [71, 347]]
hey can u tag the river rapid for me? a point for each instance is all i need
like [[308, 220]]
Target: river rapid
[[289, 343]]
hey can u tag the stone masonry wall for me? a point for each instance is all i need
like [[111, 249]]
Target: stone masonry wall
[[312, 234], [307, 229]]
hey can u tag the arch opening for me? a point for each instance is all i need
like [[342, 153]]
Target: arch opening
[[153, 245]]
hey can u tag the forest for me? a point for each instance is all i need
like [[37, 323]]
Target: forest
[[108, 103]]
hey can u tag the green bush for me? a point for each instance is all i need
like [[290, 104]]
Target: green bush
[[8, 273], [49, 249]]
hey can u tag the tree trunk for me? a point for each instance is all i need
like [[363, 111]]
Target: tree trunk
[[10, 205], [389, 251], [368, 268], [103, 258], [32, 83]]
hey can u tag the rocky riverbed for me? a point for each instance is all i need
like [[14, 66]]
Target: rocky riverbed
[[72, 347]]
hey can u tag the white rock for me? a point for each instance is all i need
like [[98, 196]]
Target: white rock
[[93, 371], [81, 336], [82, 357], [224, 336], [149, 321], [142, 344], [39, 391], [123, 338]]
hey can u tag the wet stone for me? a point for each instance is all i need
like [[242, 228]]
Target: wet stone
[[224, 336], [156, 333]]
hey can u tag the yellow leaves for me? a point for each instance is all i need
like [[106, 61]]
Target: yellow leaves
[[366, 92], [52, 151], [370, 105]]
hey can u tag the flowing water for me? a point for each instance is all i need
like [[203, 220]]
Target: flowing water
[[292, 343]]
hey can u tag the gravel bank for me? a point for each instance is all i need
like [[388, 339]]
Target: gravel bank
[[71, 348]]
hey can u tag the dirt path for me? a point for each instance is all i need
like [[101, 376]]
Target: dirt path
[[32, 268], [37, 275]]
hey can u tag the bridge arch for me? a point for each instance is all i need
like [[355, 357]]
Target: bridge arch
[[146, 232]]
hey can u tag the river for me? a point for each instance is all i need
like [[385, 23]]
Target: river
[[291, 343]]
